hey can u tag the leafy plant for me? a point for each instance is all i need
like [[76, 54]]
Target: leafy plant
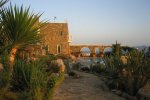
[[4, 74], [72, 73], [67, 67], [129, 77], [29, 79], [98, 68], [53, 67], [20, 28], [76, 66], [51, 82], [22, 75]]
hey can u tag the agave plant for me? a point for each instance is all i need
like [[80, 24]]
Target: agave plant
[[19, 28]]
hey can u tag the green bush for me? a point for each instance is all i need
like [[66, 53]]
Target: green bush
[[54, 68], [129, 77], [72, 73], [29, 78], [98, 68], [22, 75], [67, 67], [76, 66], [51, 82], [5, 73]]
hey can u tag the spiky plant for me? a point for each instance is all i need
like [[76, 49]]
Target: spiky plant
[[19, 28], [2, 2], [133, 75]]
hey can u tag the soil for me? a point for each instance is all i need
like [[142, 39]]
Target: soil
[[85, 87]]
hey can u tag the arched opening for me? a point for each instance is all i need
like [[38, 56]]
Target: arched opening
[[108, 51], [85, 51], [58, 49], [97, 51]]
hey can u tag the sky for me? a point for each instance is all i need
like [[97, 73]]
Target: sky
[[98, 21]]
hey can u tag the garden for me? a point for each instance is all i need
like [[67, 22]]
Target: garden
[[22, 78], [124, 74]]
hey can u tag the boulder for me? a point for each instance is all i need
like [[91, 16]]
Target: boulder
[[117, 92], [61, 64], [144, 93], [125, 95]]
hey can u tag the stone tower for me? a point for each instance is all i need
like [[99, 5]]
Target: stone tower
[[56, 38]]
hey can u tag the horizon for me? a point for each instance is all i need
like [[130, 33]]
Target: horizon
[[98, 21]]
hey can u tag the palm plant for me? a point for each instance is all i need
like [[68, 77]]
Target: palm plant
[[19, 29], [2, 2]]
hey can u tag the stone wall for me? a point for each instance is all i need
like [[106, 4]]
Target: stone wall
[[56, 36]]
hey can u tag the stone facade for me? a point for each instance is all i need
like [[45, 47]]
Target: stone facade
[[56, 38]]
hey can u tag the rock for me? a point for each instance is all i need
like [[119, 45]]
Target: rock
[[117, 92], [61, 64], [125, 95], [144, 93]]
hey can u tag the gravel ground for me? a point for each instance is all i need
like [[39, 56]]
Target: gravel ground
[[86, 87]]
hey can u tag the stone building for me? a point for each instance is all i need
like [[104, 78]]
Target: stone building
[[56, 38]]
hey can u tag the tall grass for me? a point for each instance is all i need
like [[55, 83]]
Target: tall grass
[[4, 74], [29, 77]]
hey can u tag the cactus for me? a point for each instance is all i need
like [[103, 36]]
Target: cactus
[[131, 76]]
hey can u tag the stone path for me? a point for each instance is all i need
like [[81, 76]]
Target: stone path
[[87, 87]]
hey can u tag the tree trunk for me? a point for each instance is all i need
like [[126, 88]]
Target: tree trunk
[[12, 58]]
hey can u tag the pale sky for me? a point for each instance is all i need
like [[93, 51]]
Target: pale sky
[[98, 21]]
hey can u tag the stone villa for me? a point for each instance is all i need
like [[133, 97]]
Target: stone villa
[[56, 38]]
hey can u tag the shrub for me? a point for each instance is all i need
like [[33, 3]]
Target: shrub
[[98, 68], [72, 73], [22, 75], [51, 82], [4, 74], [29, 77], [53, 67], [132, 76], [67, 67], [76, 66]]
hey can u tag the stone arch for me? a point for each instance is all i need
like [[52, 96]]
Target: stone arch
[[85, 51], [108, 49]]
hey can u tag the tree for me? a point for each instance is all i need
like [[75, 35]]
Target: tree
[[19, 29]]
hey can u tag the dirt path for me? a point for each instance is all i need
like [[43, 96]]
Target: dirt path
[[87, 87]]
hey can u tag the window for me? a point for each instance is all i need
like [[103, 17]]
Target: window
[[61, 33], [58, 49]]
